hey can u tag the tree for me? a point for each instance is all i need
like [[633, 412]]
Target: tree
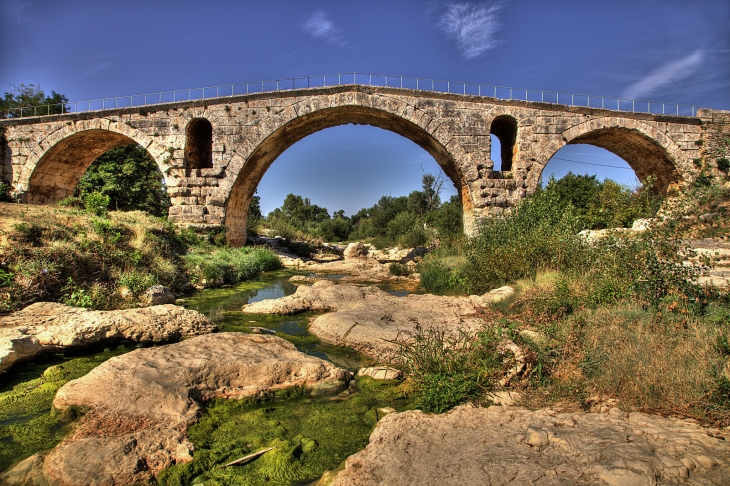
[[431, 191], [131, 179], [301, 210], [30, 100], [254, 209]]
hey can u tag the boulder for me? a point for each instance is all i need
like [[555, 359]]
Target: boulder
[[355, 250], [157, 295], [506, 445], [380, 373], [369, 319], [493, 296], [47, 326], [140, 404]]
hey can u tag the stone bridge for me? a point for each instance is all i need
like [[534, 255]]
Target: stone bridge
[[213, 152]]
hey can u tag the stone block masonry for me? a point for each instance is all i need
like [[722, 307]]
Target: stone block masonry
[[214, 152]]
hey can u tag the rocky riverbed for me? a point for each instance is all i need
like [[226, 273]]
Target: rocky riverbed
[[178, 412], [138, 406]]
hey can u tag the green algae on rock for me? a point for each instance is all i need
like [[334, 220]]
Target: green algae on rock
[[311, 436], [27, 422]]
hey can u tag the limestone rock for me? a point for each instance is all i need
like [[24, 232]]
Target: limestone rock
[[366, 318], [157, 295], [355, 250], [323, 295], [493, 296], [380, 373], [397, 255], [141, 403], [47, 326], [505, 445]]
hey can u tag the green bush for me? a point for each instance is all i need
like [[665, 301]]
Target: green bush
[[399, 269], [336, 229], [96, 203], [6, 278], [539, 234], [447, 368], [137, 282], [5, 192]]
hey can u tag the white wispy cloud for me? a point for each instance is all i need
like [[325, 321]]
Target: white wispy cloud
[[472, 27], [96, 68], [320, 26], [669, 73]]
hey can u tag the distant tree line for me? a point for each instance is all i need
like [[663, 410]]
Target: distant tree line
[[408, 221]]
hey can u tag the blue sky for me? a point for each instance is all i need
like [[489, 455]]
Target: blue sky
[[676, 51]]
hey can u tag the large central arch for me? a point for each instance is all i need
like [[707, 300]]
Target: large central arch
[[285, 136]]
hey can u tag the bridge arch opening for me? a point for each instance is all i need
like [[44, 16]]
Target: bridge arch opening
[[504, 129], [264, 155], [198, 145], [646, 156], [60, 168]]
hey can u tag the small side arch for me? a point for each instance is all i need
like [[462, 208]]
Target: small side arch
[[198, 145], [59, 169], [647, 151], [504, 127]]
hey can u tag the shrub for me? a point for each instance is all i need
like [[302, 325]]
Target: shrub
[[336, 229], [399, 269], [5, 192], [447, 368], [539, 234], [137, 282], [723, 165], [96, 203]]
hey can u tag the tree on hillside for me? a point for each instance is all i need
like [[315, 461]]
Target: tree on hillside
[[16, 102], [131, 179]]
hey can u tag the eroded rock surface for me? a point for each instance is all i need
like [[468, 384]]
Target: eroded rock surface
[[141, 403], [47, 326], [512, 446], [368, 319]]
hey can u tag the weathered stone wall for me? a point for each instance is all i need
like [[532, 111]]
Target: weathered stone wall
[[46, 156], [715, 141]]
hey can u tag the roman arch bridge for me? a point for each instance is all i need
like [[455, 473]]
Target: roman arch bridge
[[214, 151]]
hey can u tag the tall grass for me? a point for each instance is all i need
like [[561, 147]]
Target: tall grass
[[230, 265]]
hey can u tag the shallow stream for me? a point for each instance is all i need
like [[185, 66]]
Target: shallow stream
[[310, 435]]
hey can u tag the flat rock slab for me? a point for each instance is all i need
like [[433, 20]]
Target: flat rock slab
[[47, 326], [367, 319], [140, 404], [512, 446]]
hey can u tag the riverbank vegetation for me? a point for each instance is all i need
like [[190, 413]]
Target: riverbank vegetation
[[91, 257], [620, 316]]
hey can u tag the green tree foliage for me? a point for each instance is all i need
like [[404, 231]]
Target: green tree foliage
[[30, 100], [448, 220], [604, 204], [405, 221], [300, 210], [129, 177]]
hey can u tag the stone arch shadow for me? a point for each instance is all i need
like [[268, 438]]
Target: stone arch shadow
[[61, 166], [266, 152], [648, 152]]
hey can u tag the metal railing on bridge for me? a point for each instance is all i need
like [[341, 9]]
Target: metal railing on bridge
[[383, 80]]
